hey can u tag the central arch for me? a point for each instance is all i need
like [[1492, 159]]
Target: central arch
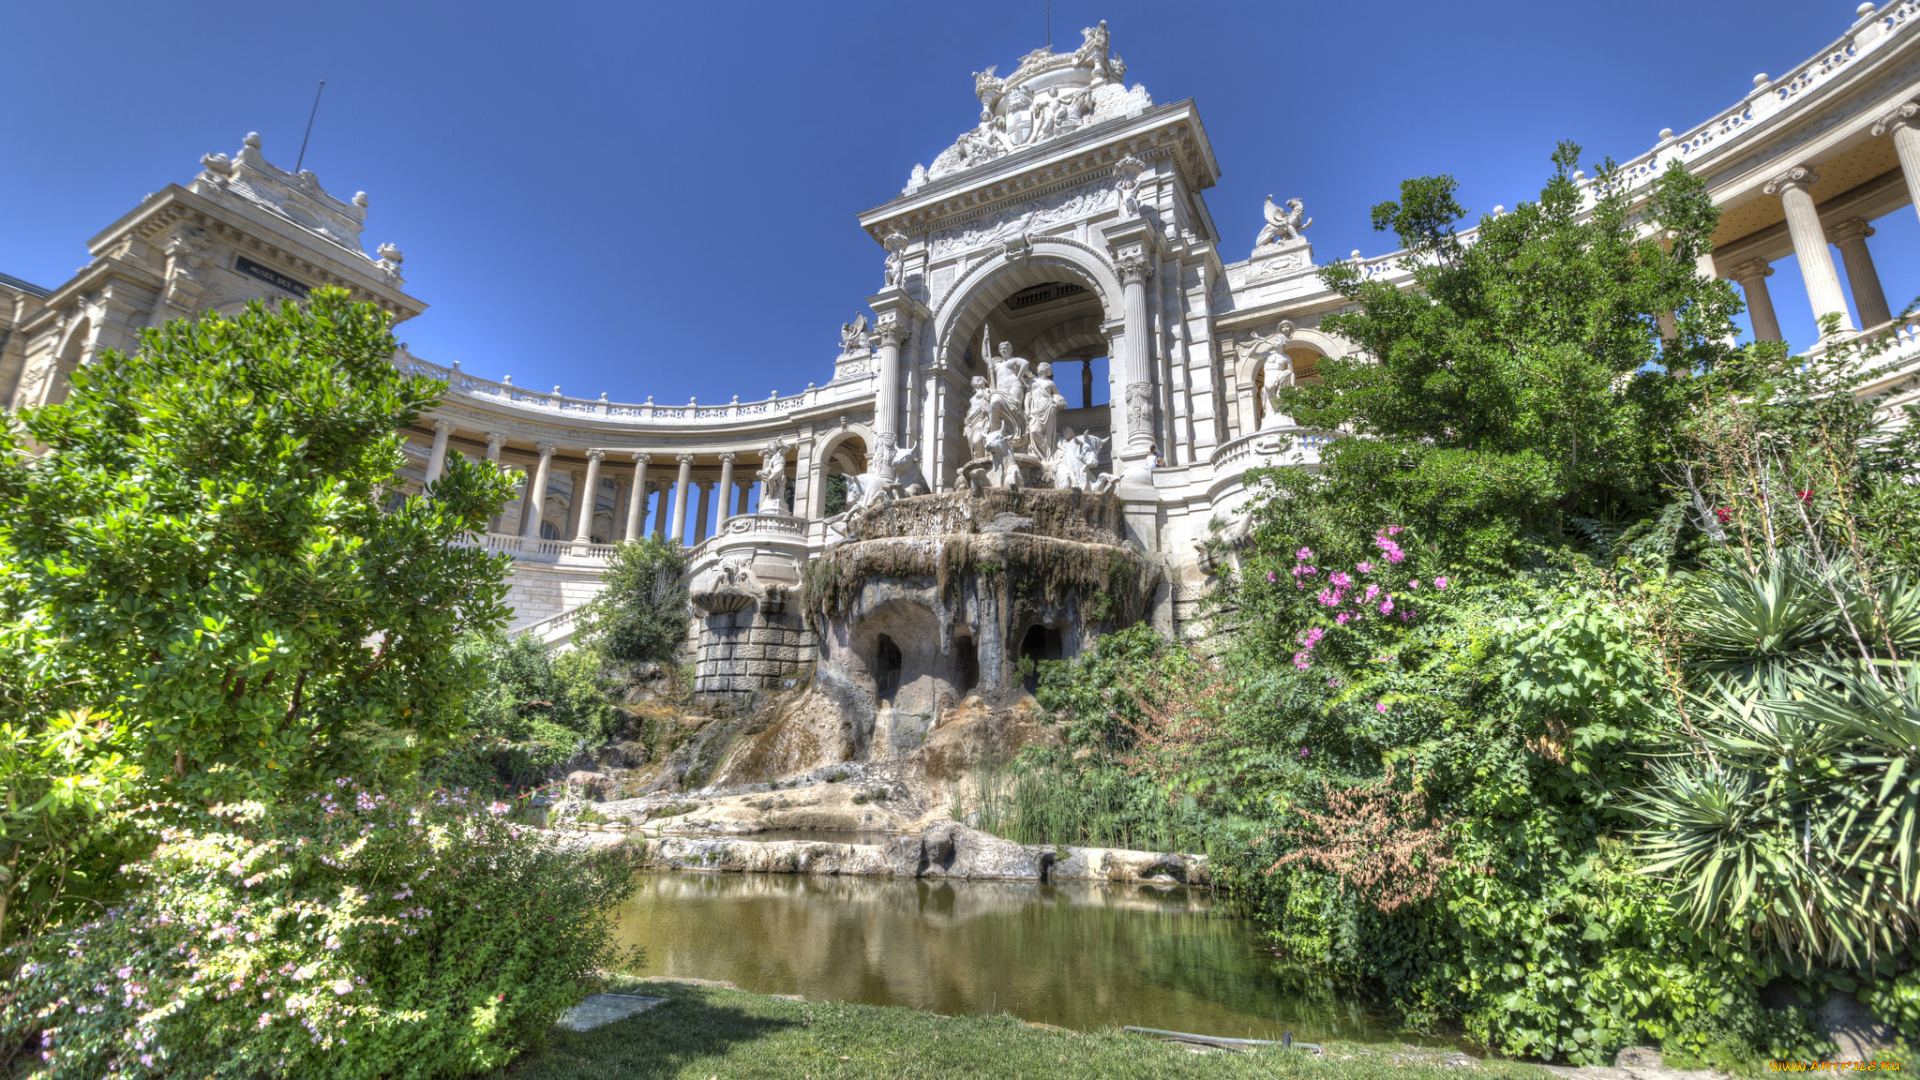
[[976, 297]]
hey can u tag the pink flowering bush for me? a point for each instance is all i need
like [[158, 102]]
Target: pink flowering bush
[[349, 933]]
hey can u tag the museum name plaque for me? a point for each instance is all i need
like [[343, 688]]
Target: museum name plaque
[[272, 277]]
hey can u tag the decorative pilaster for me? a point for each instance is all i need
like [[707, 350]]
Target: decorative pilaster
[[1135, 269], [680, 498], [437, 457], [892, 332], [637, 502], [726, 484], [1752, 276], [1810, 244], [537, 492], [1902, 123], [586, 495], [1869, 298]]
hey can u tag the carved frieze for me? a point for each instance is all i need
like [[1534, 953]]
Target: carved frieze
[[1017, 222]]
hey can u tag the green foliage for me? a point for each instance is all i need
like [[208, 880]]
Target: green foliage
[[1525, 378], [201, 596], [347, 933], [532, 710], [640, 616]]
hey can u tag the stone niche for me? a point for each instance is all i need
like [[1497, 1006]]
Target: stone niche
[[936, 598]]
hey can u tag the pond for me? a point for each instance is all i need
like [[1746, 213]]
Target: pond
[[1080, 956]]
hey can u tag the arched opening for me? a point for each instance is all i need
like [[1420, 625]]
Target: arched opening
[[967, 654], [844, 454], [60, 379], [887, 663], [1039, 643], [548, 530]]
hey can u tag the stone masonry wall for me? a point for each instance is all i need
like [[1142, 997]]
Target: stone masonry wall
[[744, 651]]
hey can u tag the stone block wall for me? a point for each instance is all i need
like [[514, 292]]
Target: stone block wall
[[537, 591], [738, 653]]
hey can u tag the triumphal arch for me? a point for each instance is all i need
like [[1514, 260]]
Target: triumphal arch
[[1056, 308]]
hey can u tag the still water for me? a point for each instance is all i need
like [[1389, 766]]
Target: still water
[[1080, 956]]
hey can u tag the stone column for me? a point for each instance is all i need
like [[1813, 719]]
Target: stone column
[[537, 492], [705, 512], [1135, 269], [575, 481], [1810, 244], [1906, 143], [660, 512], [495, 441], [680, 498], [1752, 276], [726, 484], [437, 457], [637, 502], [586, 495], [1869, 298], [886, 407]]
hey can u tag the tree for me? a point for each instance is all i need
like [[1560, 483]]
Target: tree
[[640, 615], [1533, 376], [197, 580]]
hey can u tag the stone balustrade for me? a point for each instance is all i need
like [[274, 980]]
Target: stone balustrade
[[850, 385]]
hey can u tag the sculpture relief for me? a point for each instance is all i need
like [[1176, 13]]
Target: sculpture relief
[[1044, 403], [979, 417], [1276, 371], [1282, 225], [853, 335]]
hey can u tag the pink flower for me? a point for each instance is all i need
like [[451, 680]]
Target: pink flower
[[1314, 635], [1393, 530], [1364, 568], [1270, 578], [1300, 661], [1372, 591], [1380, 707], [497, 808], [342, 986], [1414, 583], [1340, 580], [1343, 617], [1386, 606], [1304, 554], [1333, 684], [1440, 583], [1331, 597]]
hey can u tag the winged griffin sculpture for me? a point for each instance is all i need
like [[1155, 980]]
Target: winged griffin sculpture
[[1282, 225]]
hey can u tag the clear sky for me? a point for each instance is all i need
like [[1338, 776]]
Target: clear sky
[[659, 199]]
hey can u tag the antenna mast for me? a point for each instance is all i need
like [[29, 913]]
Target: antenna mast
[[316, 108]]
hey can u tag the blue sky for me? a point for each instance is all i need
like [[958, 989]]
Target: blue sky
[[660, 199]]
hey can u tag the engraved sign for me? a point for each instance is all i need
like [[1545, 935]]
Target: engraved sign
[[272, 277]]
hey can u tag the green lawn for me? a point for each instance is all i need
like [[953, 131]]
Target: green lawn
[[708, 1032]]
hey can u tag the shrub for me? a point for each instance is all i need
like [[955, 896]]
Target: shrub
[[531, 712], [640, 616], [347, 934]]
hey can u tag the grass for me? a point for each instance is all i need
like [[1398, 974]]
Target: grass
[[707, 1032]]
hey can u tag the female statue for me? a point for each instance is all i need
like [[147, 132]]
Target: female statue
[[1044, 402]]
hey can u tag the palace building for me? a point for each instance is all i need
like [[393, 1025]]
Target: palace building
[[1058, 307]]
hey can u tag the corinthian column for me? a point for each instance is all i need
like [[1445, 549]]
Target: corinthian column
[[1752, 276], [587, 495], [680, 498], [726, 485], [1869, 299], [1810, 244], [1135, 268], [1906, 143], [437, 457], [537, 504], [886, 406], [637, 502]]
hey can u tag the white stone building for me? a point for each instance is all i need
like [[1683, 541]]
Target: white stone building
[[1071, 223]]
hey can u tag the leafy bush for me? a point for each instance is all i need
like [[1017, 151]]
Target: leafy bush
[[640, 616], [532, 710], [348, 933]]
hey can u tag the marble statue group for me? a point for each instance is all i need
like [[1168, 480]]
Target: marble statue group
[[1014, 415]]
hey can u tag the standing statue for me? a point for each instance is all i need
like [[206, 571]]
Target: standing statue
[[1276, 372], [1044, 402], [979, 418], [853, 335], [773, 478], [1009, 384], [1079, 456], [1282, 225]]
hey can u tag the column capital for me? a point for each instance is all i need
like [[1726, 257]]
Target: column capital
[[730, 457], [596, 455], [547, 449], [1752, 268], [684, 459], [641, 457], [892, 330], [1797, 177], [443, 425], [1133, 267], [1901, 116], [1850, 229], [495, 440]]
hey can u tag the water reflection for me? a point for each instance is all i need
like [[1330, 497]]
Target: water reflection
[[1081, 956]]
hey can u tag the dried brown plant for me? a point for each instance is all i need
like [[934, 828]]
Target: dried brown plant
[[1377, 839], [1181, 731]]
